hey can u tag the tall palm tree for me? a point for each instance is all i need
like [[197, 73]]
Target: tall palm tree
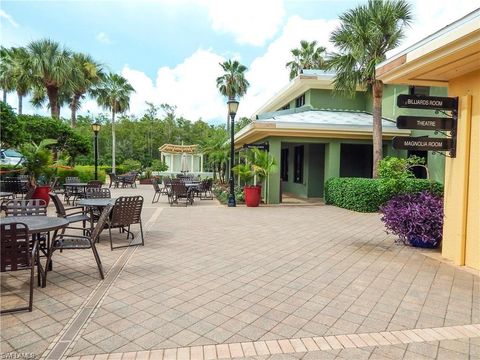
[[365, 35], [90, 73], [307, 56], [6, 81], [113, 94], [232, 83], [51, 68]]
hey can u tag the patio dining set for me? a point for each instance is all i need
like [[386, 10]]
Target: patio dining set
[[183, 190], [28, 235]]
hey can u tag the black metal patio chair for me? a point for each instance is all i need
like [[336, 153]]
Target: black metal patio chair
[[79, 242], [17, 253], [126, 212]]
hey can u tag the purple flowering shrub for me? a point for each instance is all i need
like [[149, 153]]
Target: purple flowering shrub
[[415, 216]]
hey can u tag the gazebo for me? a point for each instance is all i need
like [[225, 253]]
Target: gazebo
[[182, 158]]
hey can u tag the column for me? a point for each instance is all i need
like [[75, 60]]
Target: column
[[273, 180], [332, 160]]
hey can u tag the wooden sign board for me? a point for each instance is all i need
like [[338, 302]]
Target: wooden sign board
[[424, 123]]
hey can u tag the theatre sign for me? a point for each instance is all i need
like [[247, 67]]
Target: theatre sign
[[438, 124]]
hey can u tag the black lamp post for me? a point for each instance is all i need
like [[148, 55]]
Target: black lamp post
[[96, 129], [232, 111]]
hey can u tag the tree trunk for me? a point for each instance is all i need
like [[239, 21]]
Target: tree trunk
[[52, 93], [73, 107], [377, 126], [20, 103], [4, 96], [113, 139]]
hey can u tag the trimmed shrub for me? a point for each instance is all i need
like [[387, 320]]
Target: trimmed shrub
[[119, 169], [86, 173], [367, 195]]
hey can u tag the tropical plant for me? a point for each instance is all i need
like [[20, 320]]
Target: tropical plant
[[365, 35], [90, 74], [395, 173], [245, 172], [307, 56], [232, 83], [15, 75], [51, 69], [416, 218], [158, 165], [263, 164], [113, 94], [38, 158]]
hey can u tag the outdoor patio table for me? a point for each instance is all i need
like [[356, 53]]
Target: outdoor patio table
[[5, 194], [37, 225], [98, 203]]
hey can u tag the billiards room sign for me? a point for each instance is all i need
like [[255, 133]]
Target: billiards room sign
[[426, 102], [422, 143]]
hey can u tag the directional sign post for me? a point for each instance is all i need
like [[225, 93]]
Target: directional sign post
[[425, 143], [424, 123]]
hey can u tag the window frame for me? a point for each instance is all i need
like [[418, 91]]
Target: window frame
[[298, 164]]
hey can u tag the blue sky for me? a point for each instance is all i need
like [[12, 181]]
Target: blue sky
[[169, 50]]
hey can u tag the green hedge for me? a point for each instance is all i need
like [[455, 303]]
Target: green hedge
[[84, 172], [366, 195]]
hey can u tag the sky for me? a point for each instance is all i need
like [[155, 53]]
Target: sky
[[170, 50]]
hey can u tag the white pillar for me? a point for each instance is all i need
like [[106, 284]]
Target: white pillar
[[191, 162], [201, 163], [171, 163]]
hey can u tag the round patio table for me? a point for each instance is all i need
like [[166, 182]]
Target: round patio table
[[84, 185], [37, 225], [97, 202], [5, 194]]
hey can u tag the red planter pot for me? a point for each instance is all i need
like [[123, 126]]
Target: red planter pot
[[41, 192], [252, 195]]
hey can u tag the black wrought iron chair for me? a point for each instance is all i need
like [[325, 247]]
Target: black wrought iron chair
[[31, 207], [17, 253], [114, 180], [78, 242], [126, 212], [158, 191]]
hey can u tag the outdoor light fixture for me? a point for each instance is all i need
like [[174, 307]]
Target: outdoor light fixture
[[232, 111], [96, 129]]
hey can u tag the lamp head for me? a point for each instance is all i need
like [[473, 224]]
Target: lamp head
[[232, 107], [96, 127]]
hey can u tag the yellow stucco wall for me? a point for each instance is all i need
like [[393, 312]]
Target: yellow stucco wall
[[461, 234]]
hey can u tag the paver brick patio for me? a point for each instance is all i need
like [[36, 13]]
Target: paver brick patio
[[209, 275]]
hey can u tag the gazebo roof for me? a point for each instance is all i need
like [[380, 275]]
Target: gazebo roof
[[178, 149]]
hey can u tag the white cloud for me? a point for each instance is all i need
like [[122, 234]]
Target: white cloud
[[9, 18], [103, 38], [251, 21], [191, 86], [430, 16], [267, 73]]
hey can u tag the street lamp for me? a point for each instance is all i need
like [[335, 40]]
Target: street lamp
[[232, 111], [96, 129]]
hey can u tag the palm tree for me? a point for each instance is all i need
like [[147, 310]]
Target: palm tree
[[307, 56], [232, 83], [15, 75], [51, 69], [90, 73], [113, 94], [365, 35], [6, 81]]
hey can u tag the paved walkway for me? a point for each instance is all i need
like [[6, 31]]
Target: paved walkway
[[272, 282]]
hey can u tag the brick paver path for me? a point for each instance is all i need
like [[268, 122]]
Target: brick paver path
[[275, 282]]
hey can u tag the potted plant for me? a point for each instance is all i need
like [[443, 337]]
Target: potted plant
[[415, 218], [263, 164], [251, 192], [146, 177], [38, 162]]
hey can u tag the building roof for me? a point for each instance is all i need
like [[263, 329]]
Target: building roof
[[450, 52], [317, 123], [178, 149]]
